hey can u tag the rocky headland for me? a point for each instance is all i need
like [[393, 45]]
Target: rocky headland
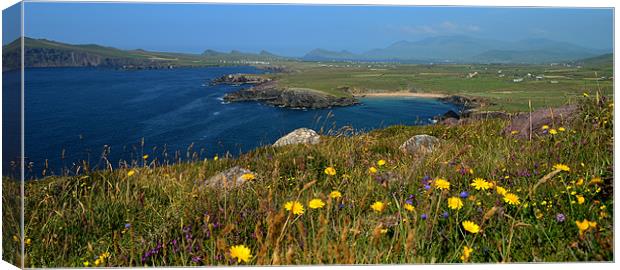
[[296, 98]]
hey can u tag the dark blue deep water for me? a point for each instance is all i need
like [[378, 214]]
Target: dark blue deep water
[[78, 111]]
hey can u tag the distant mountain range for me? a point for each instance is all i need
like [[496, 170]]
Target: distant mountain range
[[446, 49], [466, 49]]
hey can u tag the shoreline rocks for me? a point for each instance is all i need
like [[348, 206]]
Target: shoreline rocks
[[240, 79], [466, 103]]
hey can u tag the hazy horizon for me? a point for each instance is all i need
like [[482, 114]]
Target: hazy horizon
[[294, 30]]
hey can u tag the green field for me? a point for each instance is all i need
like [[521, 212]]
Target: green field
[[551, 201], [569, 82]]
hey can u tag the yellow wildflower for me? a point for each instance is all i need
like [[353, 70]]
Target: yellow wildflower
[[561, 129], [384, 231], [330, 171], [514, 132], [145, 157], [596, 180], [592, 224], [316, 203], [512, 199], [28, 241], [86, 264], [481, 184], [372, 170], [294, 206], [441, 183], [455, 203], [582, 226], [470, 226], [131, 172], [381, 162], [409, 207], [378, 206], [248, 177], [500, 190], [466, 253], [579, 182], [580, 199], [585, 94], [241, 252], [553, 131], [545, 127], [561, 167], [335, 194], [216, 157]]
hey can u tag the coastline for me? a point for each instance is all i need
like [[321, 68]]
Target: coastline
[[401, 94]]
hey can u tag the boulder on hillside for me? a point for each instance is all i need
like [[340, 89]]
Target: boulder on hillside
[[419, 145], [300, 135], [231, 178], [552, 117]]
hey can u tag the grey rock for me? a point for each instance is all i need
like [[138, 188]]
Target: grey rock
[[300, 135], [419, 145], [230, 178]]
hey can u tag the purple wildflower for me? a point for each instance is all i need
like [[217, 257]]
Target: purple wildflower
[[560, 217], [427, 187], [127, 226], [426, 178], [424, 216], [445, 215], [196, 259], [464, 195]]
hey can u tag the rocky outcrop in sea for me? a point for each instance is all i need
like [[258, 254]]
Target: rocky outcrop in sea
[[270, 93]]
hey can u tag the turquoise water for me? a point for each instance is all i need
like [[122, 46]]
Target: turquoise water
[[73, 113]]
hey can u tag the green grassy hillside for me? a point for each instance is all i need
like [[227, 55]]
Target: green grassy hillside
[[538, 199], [495, 82]]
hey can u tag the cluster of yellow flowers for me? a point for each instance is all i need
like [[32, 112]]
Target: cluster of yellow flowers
[[99, 261], [466, 253], [585, 226], [297, 207]]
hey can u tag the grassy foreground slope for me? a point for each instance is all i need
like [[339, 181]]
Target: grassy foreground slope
[[560, 82], [163, 215]]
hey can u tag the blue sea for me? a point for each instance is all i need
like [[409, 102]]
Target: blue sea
[[73, 114]]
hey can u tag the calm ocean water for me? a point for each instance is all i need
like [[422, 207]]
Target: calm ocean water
[[78, 111]]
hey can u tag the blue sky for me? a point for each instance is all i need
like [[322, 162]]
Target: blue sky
[[294, 30]]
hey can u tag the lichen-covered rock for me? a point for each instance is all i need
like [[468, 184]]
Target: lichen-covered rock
[[300, 135], [419, 145], [231, 178]]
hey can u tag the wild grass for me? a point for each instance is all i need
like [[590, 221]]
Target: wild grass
[[164, 214]]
